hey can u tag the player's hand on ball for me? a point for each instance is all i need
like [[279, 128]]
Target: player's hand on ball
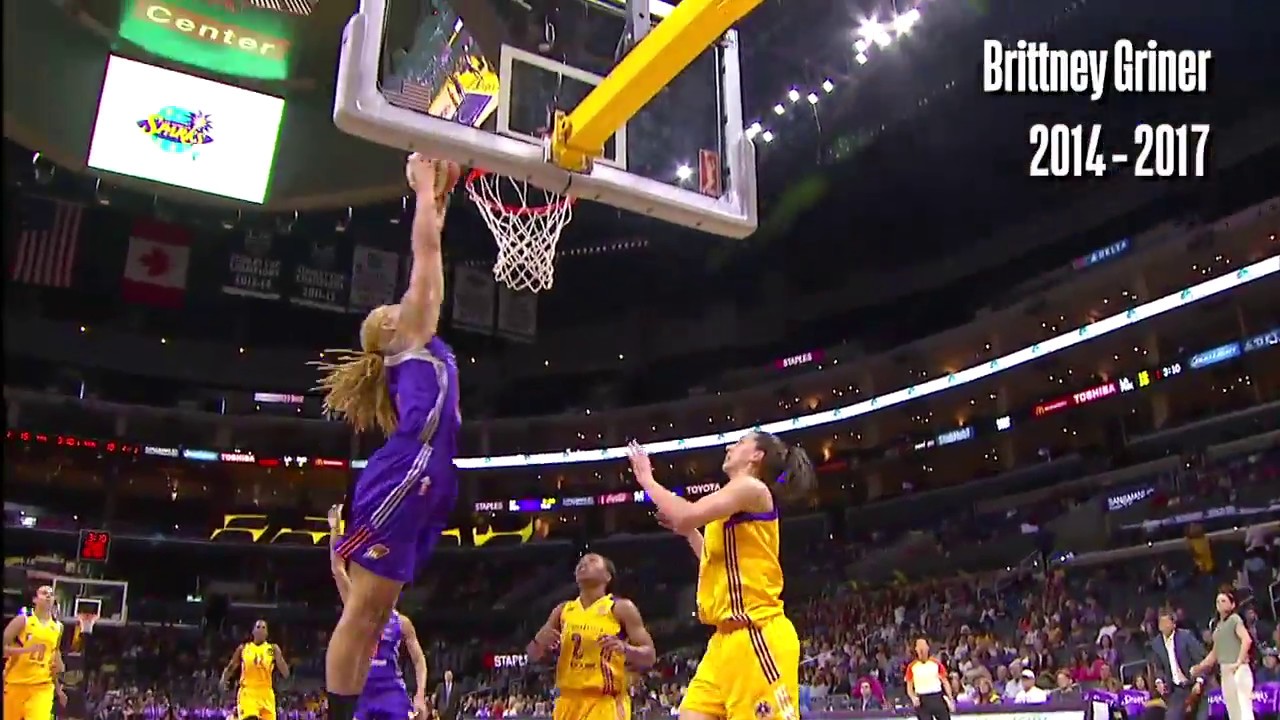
[[432, 178], [420, 172]]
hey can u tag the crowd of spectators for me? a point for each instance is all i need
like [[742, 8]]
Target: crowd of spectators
[[1021, 633]]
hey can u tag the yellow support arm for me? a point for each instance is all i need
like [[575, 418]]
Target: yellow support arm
[[579, 136]]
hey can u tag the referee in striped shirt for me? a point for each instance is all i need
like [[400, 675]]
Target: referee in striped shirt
[[927, 685]]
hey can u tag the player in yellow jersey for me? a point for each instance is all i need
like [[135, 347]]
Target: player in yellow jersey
[[598, 637], [257, 661], [751, 669], [33, 661]]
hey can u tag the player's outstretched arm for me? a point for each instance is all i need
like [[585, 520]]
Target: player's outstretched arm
[[693, 537], [639, 651], [419, 660], [233, 665], [548, 636], [420, 306], [683, 516], [337, 565]]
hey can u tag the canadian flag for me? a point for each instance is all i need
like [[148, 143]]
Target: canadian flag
[[155, 270]]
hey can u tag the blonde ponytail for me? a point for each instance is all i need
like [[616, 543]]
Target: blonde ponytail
[[355, 389]]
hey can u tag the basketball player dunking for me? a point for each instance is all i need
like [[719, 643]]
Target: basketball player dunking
[[404, 382], [739, 579], [384, 696], [598, 637], [257, 662], [32, 660]]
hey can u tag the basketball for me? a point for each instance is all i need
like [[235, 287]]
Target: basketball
[[447, 175]]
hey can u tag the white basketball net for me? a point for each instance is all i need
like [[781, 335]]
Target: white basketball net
[[526, 235]]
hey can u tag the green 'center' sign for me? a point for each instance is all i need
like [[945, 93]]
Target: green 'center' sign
[[249, 43]]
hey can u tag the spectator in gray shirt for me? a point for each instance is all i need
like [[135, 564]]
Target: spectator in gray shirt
[[1231, 647]]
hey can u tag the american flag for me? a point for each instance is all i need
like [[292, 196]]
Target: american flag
[[46, 251], [411, 95]]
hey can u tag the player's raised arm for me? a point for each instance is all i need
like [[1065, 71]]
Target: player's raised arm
[[11, 633], [338, 565], [233, 665], [420, 306], [638, 647], [692, 536], [548, 636], [419, 660], [683, 516]]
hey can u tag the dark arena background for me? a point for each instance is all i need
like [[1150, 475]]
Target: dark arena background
[[1041, 408]]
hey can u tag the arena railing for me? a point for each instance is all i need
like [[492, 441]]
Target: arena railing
[[1085, 333], [1105, 557]]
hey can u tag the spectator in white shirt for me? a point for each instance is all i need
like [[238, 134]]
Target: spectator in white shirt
[[1029, 694], [1108, 629], [1014, 683]]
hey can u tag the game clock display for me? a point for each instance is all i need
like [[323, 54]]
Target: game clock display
[[95, 546]]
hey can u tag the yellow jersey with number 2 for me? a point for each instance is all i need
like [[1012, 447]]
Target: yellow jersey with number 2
[[28, 678], [35, 668]]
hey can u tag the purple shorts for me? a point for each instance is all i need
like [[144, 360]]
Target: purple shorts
[[391, 703], [399, 506]]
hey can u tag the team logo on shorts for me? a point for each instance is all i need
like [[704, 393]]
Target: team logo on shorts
[[376, 552], [764, 709]]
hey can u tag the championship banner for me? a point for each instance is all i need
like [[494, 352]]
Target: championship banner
[[318, 278], [373, 278], [517, 314], [473, 299], [253, 267]]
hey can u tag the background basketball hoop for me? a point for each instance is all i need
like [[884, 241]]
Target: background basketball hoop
[[526, 223], [86, 621]]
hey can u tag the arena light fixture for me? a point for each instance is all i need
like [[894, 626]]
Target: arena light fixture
[[684, 172], [869, 35], [875, 32], [1083, 334], [903, 23]]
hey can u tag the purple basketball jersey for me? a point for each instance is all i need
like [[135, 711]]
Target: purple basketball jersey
[[384, 668], [402, 499], [384, 696]]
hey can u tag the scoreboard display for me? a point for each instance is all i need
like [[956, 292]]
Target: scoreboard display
[[94, 546]]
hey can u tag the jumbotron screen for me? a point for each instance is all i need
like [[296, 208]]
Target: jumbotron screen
[[177, 129]]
